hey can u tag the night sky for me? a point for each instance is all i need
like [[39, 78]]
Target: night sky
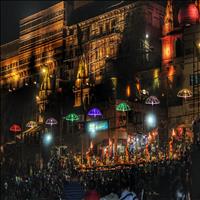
[[13, 11]]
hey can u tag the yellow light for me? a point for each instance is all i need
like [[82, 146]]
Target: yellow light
[[156, 82], [44, 70], [199, 45], [128, 90], [16, 77], [37, 97]]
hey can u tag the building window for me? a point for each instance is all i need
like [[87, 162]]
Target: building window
[[194, 79], [188, 51]]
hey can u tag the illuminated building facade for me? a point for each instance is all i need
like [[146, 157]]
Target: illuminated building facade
[[180, 58], [65, 44]]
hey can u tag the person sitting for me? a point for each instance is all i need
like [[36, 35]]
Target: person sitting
[[126, 194], [92, 194]]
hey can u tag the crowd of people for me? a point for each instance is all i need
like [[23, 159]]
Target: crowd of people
[[149, 180]]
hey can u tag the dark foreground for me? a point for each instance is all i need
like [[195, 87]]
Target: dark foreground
[[156, 180]]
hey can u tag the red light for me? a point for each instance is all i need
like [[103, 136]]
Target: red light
[[188, 15]]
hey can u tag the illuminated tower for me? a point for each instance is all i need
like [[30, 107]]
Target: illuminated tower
[[81, 89], [168, 19], [167, 39], [44, 92]]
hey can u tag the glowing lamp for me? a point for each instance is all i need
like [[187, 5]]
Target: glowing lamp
[[47, 140], [150, 120], [44, 70]]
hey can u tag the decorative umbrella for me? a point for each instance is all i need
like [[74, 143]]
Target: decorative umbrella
[[51, 121], [31, 124], [184, 93], [72, 117], [152, 100], [94, 112], [15, 128], [123, 107]]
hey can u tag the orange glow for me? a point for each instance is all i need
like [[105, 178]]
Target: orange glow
[[171, 73], [168, 48], [138, 84], [91, 145], [16, 77], [149, 138], [173, 133], [128, 91]]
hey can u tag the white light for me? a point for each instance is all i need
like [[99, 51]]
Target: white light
[[147, 35], [48, 139], [151, 120]]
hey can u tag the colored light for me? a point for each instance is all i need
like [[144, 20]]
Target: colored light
[[128, 91], [150, 120], [94, 112], [152, 100], [51, 121], [44, 70], [171, 73], [37, 98], [93, 126], [144, 92], [31, 124], [47, 140], [72, 117], [156, 82], [123, 107], [15, 128], [184, 93]]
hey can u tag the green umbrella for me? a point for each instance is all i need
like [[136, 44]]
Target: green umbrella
[[72, 117], [123, 107]]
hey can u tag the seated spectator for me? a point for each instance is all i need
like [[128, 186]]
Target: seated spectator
[[126, 194], [92, 193]]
